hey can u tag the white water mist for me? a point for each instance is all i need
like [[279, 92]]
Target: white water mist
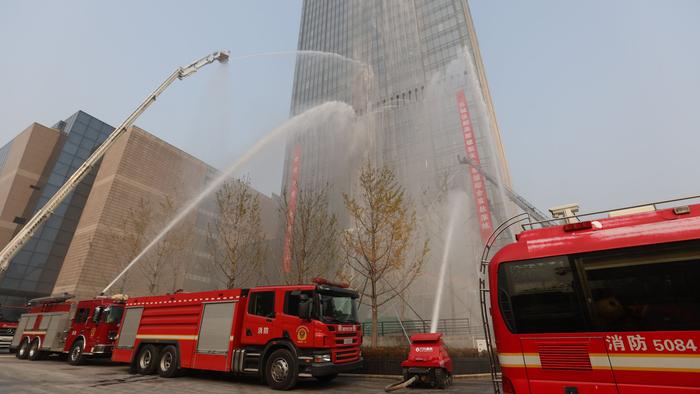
[[454, 204], [327, 113]]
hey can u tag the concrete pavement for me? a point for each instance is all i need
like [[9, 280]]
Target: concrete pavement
[[56, 376]]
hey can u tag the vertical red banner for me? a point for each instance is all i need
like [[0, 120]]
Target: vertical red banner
[[478, 182], [291, 210]]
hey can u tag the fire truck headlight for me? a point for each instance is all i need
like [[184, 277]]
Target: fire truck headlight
[[322, 358]]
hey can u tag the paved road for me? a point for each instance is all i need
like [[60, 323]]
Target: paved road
[[54, 376]]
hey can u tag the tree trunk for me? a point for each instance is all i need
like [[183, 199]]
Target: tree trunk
[[375, 323]]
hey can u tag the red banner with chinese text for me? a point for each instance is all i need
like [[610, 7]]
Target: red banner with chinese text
[[291, 210], [478, 182]]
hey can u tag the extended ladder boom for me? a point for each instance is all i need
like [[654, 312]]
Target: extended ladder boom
[[16, 243], [517, 199]]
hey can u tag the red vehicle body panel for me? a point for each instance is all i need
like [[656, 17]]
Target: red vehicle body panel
[[428, 351], [97, 337], [7, 331], [587, 361], [178, 319]]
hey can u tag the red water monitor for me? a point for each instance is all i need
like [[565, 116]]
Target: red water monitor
[[428, 361]]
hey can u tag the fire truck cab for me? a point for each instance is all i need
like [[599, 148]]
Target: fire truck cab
[[7, 330], [78, 329], [279, 333]]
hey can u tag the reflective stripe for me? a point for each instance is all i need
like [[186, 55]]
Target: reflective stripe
[[670, 363], [34, 332], [169, 337], [617, 362], [532, 360], [511, 360]]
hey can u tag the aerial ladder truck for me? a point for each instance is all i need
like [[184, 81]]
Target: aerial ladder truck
[[31, 227]]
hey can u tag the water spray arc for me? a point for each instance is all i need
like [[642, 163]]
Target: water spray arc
[[330, 108], [23, 236]]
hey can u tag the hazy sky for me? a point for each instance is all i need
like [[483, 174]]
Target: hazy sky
[[597, 100]]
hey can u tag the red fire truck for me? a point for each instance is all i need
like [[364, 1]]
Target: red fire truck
[[606, 306], [7, 331], [58, 325], [278, 333]]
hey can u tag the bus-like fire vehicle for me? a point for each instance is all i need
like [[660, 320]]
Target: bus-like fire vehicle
[[600, 306]]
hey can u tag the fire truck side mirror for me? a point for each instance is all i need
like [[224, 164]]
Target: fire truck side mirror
[[305, 308]]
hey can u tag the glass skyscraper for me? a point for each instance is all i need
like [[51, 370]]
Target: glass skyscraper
[[413, 74], [32, 273]]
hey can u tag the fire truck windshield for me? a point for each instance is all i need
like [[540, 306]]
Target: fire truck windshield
[[113, 314], [337, 308], [645, 288]]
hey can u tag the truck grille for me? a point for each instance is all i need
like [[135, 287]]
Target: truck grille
[[342, 337], [346, 355], [565, 357], [7, 331]]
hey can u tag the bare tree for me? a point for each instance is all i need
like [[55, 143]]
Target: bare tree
[[313, 241], [235, 238], [160, 260], [381, 246], [129, 238]]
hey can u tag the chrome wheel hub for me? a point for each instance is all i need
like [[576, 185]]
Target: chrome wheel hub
[[145, 360], [75, 353], [166, 361], [280, 370]]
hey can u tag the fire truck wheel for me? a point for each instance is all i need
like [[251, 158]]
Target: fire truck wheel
[[167, 366], [34, 352], [76, 357], [147, 360], [23, 349], [281, 370]]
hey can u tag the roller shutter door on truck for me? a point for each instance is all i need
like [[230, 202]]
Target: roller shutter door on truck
[[127, 335], [215, 331], [54, 333], [20, 330]]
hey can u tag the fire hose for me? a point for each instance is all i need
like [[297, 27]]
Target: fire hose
[[400, 385]]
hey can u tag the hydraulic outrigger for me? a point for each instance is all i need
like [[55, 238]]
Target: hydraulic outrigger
[[16, 243]]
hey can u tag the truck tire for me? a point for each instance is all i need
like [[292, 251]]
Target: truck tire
[[327, 378], [147, 360], [281, 370], [34, 352], [76, 356], [168, 362], [23, 349]]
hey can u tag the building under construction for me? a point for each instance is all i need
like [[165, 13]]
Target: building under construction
[[416, 80]]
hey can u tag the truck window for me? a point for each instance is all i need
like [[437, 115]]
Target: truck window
[[292, 299], [651, 288], [97, 314], [540, 296], [81, 315], [114, 314], [262, 304]]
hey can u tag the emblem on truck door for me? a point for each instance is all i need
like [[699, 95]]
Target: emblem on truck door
[[302, 334]]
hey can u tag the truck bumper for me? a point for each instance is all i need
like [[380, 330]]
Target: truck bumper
[[100, 351], [5, 342], [324, 369]]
